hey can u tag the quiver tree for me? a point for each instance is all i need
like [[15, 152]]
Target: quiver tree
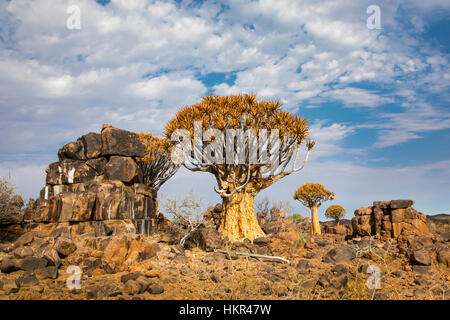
[[335, 212], [312, 195], [156, 166], [246, 144]]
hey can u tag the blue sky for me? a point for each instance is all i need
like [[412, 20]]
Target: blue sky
[[378, 100]]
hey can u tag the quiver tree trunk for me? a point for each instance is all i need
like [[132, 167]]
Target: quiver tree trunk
[[315, 226], [239, 220]]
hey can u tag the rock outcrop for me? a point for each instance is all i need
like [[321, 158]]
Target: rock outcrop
[[390, 219], [96, 179]]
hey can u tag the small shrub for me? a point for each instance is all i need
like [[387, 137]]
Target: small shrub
[[186, 213], [296, 217], [6, 195], [283, 205]]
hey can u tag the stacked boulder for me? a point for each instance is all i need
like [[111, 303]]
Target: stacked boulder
[[390, 219], [97, 179]]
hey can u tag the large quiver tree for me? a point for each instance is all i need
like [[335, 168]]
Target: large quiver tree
[[224, 132]]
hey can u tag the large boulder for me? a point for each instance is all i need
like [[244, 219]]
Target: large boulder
[[92, 145], [123, 169], [421, 257], [401, 204], [33, 263], [339, 255], [62, 172], [121, 142], [97, 164], [65, 246], [72, 150], [113, 201], [207, 239]]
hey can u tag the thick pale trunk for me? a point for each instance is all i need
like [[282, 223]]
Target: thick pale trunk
[[315, 226], [239, 220], [337, 223]]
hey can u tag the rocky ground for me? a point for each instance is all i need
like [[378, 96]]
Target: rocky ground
[[123, 265]]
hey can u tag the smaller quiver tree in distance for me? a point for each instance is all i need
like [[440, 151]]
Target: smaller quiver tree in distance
[[335, 212], [312, 195]]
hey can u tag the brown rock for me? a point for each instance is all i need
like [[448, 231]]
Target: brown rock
[[289, 235], [64, 204], [24, 240], [50, 272], [363, 211], [52, 256], [132, 287], [131, 276], [339, 281], [398, 215], [142, 189], [386, 225], [401, 204], [9, 286], [121, 142], [33, 263], [155, 289], [92, 145], [396, 229], [65, 246], [62, 172], [148, 250], [410, 213], [421, 228], [444, 256], [144, 207], [123, 169], [381, 204], [84, 173], [303, 266], [22, 252], [207, 239], [83, 206], [113, 201], [115, 254], [10, 265], [421, 257], [421, 269], [98, 165], [72, 150], [339, 254], [143, 283]]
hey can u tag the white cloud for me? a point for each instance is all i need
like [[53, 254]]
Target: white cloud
[[355, 97]]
